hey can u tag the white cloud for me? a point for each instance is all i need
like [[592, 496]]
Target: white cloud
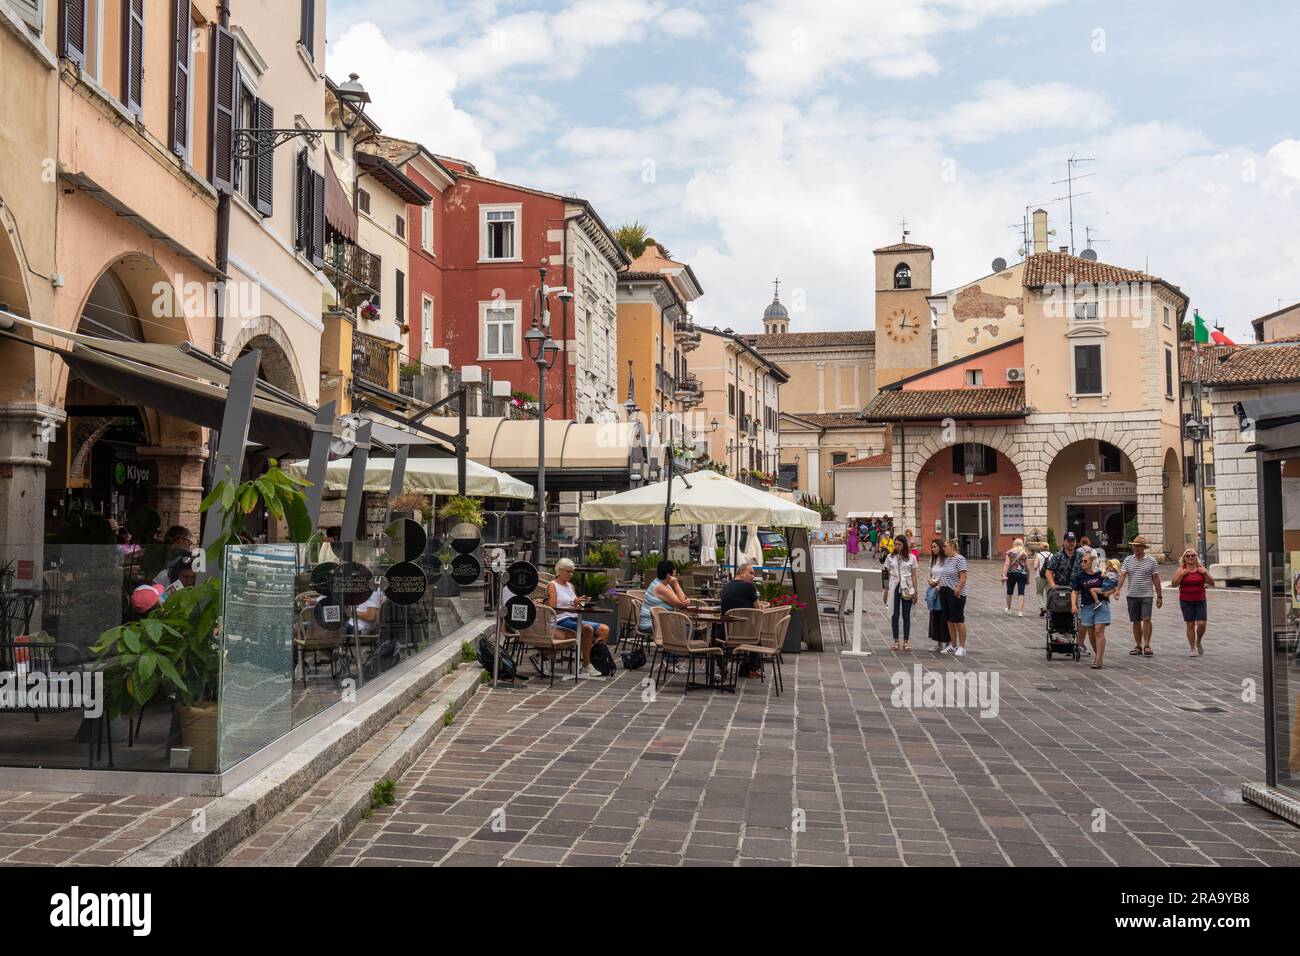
[[1003, 107], [683, 22]]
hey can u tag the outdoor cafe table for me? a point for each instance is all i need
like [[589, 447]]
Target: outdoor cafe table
[[706, 617]]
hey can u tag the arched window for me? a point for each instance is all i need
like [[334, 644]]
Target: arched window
[[902, 276]]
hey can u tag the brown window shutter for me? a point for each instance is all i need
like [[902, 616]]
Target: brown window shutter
[[317, 220], [307, 30], [223, 108], [302, 202], [181, 25], [264, 115], [72, 30], [133, 55]]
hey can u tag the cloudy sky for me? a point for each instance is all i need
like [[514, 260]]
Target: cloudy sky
[[790, 137]]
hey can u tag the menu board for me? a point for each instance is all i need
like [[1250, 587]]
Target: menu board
[[1012, 509]]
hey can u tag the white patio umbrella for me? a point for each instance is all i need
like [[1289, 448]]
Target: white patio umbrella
[[430, 476], [702, 497], [753, 546], [708, 544]]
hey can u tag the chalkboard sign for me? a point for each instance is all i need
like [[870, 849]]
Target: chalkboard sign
[[520, 613], [404, 583], [521, 578]]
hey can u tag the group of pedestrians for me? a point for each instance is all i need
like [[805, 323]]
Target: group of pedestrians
[[1094, 583]]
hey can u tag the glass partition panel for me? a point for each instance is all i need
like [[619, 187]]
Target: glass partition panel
[[258, 648], [1282, 579]]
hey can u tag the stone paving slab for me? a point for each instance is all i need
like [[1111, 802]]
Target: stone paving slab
[[1117, 767]]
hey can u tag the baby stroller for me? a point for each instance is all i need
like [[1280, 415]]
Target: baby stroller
[[1062, 627]]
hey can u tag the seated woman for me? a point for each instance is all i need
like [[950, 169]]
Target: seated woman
[[664, 591], [560, 594]]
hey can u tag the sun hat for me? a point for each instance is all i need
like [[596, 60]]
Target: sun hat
[[146, 597], [1139, 541]]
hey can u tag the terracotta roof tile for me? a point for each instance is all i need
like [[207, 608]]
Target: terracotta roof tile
[[1263, 363], [831, 419], [898, 404], [871, 461], [904, 247], [1210, 357], [796, 340]]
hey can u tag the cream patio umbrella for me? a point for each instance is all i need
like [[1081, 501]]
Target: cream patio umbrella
[[430, 476], [702, 497]]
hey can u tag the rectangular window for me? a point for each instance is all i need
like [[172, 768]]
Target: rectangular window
[[731, 400], [981, 459], [341, 142], [974, 376], [363, 201], [426, 227], [400, 305], [1112, 459], [500, 330], [426, 322], [1168, 323], [1087, 369], [307, 31], [1085, 311], [399, 226], [180, 111], [499, 227], [1169, 372]]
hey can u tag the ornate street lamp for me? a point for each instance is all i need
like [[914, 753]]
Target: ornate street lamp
[[257, 141], [541, 349]]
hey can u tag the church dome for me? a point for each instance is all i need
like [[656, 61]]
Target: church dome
[[776, 310]]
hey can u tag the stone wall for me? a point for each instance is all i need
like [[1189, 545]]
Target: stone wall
[[1031, 446], [1234, 481]]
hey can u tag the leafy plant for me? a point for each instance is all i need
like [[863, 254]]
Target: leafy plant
[[460, 509], [448, 716], [382, 794], [770, 590], [686, 567], [648, 561], [632, 236], [1051, 540], [719, 553], [591, 584], [467, 652], [277, 491], [826, 511], [604, 554], [1130, 530]]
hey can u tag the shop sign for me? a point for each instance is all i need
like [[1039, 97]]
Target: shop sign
[[404, 583], [1112, 488]]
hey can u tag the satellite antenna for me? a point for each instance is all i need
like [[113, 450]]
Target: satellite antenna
[[1089, 254], [999, 264], [1069, 179]]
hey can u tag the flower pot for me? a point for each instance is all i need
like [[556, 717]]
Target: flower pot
[[199, 734], [793, 633]]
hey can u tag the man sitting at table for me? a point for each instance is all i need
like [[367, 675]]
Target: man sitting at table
[[740, 592], [561, 595]]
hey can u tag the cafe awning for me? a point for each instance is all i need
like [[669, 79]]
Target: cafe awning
[[579, 455], [430, 476]]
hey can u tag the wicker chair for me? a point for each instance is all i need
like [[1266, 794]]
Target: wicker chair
[[629, 618], [310, 638], [771, 636], [673, 635], [541, 636]]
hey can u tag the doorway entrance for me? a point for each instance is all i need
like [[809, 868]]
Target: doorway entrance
[[1103, 522], [970, 523]]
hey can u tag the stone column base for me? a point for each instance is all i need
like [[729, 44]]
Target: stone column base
[[178, 487], [26, 429]]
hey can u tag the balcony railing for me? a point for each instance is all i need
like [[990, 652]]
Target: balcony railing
[[687, 337], [372, 359], [689, 392], [356, 273]]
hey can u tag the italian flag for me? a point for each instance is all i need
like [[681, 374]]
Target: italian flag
[[1202, 330]]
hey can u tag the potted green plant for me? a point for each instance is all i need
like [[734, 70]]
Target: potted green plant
[[462, 509], [604, 554], [648, 565], [174, 651]]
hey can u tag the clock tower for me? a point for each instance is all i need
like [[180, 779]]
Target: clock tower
[[903, 336]]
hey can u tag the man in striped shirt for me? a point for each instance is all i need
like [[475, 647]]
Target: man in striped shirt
[[952, 597], [1143, 576]]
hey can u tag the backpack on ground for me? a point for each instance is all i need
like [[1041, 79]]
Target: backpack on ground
[[602, 660], [508, 669], [634, 659]]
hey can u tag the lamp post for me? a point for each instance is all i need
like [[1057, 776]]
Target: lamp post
[[541, 349]]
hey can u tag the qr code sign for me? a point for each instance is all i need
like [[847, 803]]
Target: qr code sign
[[331, 614]]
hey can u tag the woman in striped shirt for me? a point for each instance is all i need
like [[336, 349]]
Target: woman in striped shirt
[[952, 595]]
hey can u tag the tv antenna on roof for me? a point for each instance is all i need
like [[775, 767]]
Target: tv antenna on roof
[[1026, 227], [1070, 177]]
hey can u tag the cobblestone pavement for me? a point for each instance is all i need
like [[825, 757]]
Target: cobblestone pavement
[[1137, 764]]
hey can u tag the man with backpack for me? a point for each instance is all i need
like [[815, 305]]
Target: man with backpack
[[1062, 566], [1040, 578]]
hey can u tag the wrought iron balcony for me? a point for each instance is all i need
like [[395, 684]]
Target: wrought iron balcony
[[373, 359], [687, 337], [689, 392], [355, 273]]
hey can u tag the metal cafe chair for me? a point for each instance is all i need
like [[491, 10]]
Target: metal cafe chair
[[16, 609], [541, 637], [674, 633], [32, 657]]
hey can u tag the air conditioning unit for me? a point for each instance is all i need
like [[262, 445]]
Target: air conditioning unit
[[1015, 375]]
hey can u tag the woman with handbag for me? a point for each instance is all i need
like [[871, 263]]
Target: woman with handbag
[[900, 566], [938, 626]]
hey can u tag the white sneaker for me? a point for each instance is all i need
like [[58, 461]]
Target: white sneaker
[[959, 652], [590, 671], [1020, 614], [947, 649]]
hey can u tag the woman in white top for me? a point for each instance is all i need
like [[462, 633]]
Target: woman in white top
[[561, 595], [901, 568]]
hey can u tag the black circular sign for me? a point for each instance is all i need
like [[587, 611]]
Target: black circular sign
[[404, 583], [432, 566], [405, 540], [352, 584], [521, 578], [519, 613], [322, 578], [466, 569], [465, 538], [329, 616]]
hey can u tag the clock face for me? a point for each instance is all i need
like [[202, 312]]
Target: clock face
[[903, 325]]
